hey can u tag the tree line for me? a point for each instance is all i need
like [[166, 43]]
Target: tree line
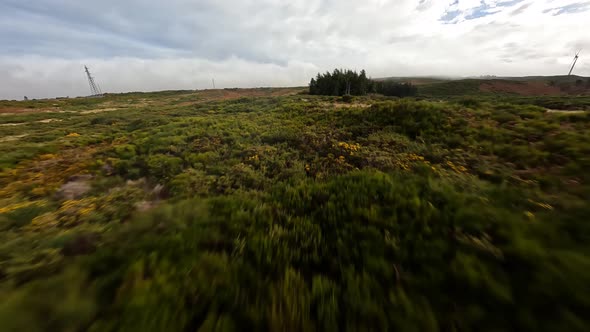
[[347, 82]]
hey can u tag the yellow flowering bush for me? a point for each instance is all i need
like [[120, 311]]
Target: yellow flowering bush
[[70, 213], [456, 168], [19, 205]]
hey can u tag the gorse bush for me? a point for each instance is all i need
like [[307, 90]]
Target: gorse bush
[[410, 118], [362, 250]]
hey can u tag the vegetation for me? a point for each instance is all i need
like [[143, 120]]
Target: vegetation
[[340, 82], [391, 88], [452, 88], [269, 210], [350, 83], [540, 89]]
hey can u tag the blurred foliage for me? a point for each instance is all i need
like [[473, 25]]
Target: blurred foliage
[[275, 211]]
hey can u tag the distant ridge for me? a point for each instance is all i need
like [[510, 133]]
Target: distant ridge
[[525, 86], [440, 79]]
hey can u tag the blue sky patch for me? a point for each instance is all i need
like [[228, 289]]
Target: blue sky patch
[[481, 11], [484, 9], [449, 16], [508, 3], [569, 9]]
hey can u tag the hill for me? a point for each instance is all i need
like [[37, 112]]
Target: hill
[[523, 86], [417, 80], [556, 78]]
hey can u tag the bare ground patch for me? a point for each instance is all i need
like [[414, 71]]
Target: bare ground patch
[[15, 110], [11, 138], [565, 111], [49, 120], [345, 105], [11, 124], [98, 110]]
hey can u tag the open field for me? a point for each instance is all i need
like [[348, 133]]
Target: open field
[[273, 210]]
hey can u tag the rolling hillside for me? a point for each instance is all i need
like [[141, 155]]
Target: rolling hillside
[[523, 86]]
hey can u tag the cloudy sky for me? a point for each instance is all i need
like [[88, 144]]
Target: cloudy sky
[[145, 45]]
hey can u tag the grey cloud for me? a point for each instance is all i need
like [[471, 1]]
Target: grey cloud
[[520, 9], [508, 3], [135, 28], [580, 44], [514, 50], [485, 31], [424, 5], [150, 45], [569, 9], [400, 39]]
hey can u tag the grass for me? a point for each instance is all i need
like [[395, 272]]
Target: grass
[[270, 210]]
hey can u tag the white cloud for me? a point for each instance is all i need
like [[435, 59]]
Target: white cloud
[[178, 44]]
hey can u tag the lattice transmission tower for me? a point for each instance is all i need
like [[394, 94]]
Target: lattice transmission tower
[[94, 87]]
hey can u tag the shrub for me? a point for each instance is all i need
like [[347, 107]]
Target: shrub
[[164, 166], [347, 98], [411, 118], [394, 89], [469, 102]]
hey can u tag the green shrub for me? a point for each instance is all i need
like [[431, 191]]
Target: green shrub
[[469, 102], [67, 299], [347, 98], [163, 166], [411, 118]]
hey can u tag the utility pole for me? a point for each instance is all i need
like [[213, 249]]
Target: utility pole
[[213, 80], [94, 88]]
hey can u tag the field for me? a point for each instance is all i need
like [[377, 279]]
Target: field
[[274, 210]]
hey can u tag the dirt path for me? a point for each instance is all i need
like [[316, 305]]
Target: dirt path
[[11, 138], [565, 111], [15, 110]]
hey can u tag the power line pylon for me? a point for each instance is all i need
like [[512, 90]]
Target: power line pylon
[[94, 88]]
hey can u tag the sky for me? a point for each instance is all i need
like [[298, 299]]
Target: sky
[[145, 45]]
